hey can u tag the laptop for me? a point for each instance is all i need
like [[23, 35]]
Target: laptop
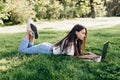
[[104, 53]]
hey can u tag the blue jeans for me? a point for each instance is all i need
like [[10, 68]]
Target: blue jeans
[[29, 48]]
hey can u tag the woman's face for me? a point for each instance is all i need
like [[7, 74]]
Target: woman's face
[[81, 34]]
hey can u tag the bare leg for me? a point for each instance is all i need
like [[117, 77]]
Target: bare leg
[[31, 39], [27, 35]]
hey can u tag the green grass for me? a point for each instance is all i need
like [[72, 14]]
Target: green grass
[[15, 66]]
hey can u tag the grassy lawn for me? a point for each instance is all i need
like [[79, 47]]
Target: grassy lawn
[[15, 66]]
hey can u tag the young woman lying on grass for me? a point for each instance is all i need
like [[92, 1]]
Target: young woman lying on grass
[[72, 44]]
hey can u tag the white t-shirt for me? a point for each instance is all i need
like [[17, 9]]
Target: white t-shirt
[[70, 51]]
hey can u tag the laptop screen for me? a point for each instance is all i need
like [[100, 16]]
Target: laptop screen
[[105, 47]]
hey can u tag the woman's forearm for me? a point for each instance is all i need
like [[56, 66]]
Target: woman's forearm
[[85, 56]]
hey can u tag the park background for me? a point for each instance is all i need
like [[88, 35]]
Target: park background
[[104, 14]]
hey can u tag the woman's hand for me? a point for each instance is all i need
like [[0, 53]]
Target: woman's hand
[[89, 56], [88, 53]]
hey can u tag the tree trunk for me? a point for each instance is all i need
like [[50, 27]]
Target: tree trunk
[[92, 9]]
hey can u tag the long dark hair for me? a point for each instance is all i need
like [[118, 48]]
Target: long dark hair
[[71, 39]]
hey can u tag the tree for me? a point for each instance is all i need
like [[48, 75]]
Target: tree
[[92, 9]]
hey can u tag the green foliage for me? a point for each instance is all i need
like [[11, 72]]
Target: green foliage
[[15, 11], [83, 10], [48, 9], [15, 66], [18, 11], [100, 9], [113, 8], [2, 10], [3, 14]]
